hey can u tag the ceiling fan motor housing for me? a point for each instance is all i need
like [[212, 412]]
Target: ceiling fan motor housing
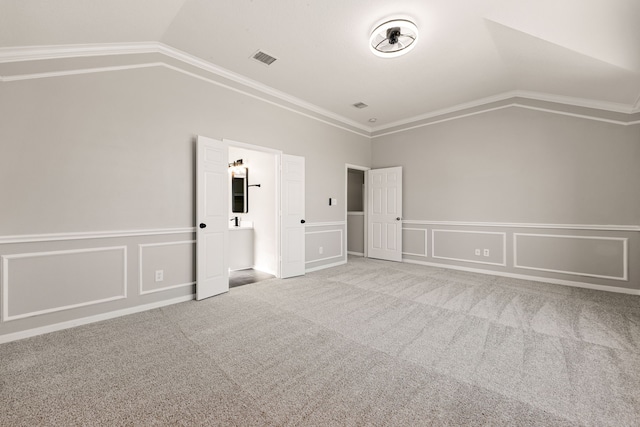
[[393, 34]]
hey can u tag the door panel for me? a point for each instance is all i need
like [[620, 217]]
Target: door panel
[[385, 213], [212, 263], [293, 229]]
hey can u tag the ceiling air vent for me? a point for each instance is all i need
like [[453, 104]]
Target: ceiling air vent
[[264, 58], [360, 105]]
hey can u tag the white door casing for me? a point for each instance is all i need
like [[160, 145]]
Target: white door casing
[[292, 216], [212, 222], [384, 206]]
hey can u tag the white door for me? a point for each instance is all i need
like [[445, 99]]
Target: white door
[[212, 218], [292, 217], [384, 205]]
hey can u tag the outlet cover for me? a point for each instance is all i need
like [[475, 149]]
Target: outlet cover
[[320, 250], [478, 252], [159, 275], [486, 252]]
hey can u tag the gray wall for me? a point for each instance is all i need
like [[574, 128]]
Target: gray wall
[[113, 152], [554, 173]]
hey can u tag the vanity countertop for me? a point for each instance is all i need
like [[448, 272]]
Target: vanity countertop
[[244, 225]]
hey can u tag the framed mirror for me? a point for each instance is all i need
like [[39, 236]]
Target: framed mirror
[[239, 187]]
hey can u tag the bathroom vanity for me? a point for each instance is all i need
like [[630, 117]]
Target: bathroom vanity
[[241, 246]]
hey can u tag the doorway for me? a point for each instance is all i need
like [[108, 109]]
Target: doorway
[[213, 194], [356, 205], [254, 240]]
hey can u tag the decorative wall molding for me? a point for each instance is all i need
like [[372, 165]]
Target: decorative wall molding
[[625, 255], [326, 224], [484, 105], [5, 280], [88, 50], [341, 255], [91, 319], [305, 108], [355, 253], [504, 246], [64, 73], [140, 267], [530, 278], [425, 232], [322, 267], [52, 237], [527, 225], [37, 53]]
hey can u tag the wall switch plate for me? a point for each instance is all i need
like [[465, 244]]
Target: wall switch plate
[[478, 252], [486, 252], [320, 250], [159, 275]]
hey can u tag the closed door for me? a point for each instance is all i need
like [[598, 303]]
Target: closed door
[[384, 211]]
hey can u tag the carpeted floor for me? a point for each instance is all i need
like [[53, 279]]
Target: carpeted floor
[[367, 343]]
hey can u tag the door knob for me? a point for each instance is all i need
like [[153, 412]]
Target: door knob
[[203, 225], [398, 219], [302, 221]]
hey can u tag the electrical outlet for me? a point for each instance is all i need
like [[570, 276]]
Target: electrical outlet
[[478, 252], [320, 250], [159, 275], [486, 252]]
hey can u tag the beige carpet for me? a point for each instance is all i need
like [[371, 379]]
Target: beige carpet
[[368, 343]]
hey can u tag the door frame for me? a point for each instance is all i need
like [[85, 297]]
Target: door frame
[[278, 195], [346, 206]]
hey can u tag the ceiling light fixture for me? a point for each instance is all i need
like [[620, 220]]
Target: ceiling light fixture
[[393, 38]]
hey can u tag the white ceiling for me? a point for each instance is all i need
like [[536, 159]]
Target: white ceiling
[[585, 52]]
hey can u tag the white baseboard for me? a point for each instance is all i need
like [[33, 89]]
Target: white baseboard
[[322, 267], [90, 319], [532, 278], [355, 253]]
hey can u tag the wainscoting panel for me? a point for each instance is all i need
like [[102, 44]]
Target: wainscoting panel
[[325, 245], [414, 241], [45, 282], [582, 255], [50, 282], [175, 259], [461, 245], [590, 256]]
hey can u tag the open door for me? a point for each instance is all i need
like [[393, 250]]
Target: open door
[[292, 216], [212, 212], [384, 208]]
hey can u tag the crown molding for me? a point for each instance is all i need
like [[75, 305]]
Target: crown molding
[[34, 53], [535, 96], [482, 105], [245, 81], [37, 53]]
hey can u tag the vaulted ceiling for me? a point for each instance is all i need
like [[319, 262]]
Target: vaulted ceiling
[[576, 52]]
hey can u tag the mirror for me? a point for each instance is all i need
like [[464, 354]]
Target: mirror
[[239, 187]]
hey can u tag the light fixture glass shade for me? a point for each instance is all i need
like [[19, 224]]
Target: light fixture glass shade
[[393, 38]]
